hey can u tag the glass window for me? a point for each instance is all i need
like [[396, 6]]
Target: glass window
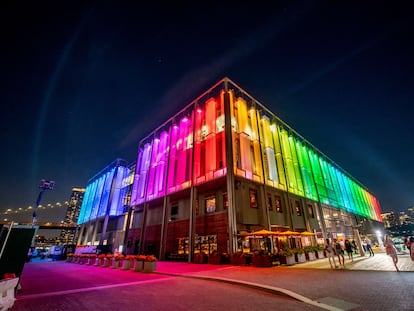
[[211, 205], [269, 202], [253, 198], [298, 209], [225, 201], [278, 204], [174, 209], [197, 208], [310, 211]]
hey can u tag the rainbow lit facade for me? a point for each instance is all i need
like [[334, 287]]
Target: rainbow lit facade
[[189, 150]]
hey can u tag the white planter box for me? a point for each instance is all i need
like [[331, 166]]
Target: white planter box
[[139, 266], [127, 264], [300, 257], [150, 266]]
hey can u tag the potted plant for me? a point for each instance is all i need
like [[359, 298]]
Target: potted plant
[[128, 262], [319, 252], [286, 256], [99, 260], [117, 261], [239, 259], [262, 259], [150, 263], [310, 252], [299, 254], [139, 263], [91, 258], [107, 260]]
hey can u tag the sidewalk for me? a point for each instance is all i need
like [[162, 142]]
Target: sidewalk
[[313, 283], [379, 262]]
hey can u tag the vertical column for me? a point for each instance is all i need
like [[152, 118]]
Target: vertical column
[[264, 173], [232, 220], [108, 207], [193, 195], [166, 203], [81, 233], [164, 231]]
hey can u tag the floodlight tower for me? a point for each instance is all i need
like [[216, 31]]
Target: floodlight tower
[[44, 185]]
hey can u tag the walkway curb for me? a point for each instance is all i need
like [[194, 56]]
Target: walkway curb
[[270, 289]]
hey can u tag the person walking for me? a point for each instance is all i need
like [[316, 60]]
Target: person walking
[[339, 252], [354, 246], [391, 250], [369, 246], [349, 250], [330, 253]]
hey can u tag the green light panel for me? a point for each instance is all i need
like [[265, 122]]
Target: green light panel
[[306, 170], [336, 186], [328, 182], [279, 160], [296, 167], [293, 186], [344, 193], [317, 175]]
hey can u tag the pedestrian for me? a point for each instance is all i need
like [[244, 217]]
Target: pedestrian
[[408, 243], [412, 248], [354, 246], [368, 246], [349, 250], [339, 252], [29, 254], [330, 253], [391, 250]]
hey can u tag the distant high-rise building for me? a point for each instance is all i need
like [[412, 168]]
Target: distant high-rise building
[[404, 218], [389, 219], [72, 215], [410, 215]]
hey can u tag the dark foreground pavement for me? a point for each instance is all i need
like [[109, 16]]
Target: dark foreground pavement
[[183, 286]]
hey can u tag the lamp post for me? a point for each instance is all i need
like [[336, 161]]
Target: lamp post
[[44, 185]]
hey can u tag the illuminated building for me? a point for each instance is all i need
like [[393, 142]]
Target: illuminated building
[[105, 202], [225, 165], [68, 236]]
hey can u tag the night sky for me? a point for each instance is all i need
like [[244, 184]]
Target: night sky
[[83, 82]]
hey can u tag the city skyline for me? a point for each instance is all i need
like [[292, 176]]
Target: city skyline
[[84, 87]]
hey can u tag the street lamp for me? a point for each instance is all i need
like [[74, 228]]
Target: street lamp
[[44, 185]]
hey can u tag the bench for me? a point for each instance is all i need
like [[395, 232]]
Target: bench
[[7, 288]]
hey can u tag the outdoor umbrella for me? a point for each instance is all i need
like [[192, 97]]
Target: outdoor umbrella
[[288, 233], [264, 232], [307, 233]]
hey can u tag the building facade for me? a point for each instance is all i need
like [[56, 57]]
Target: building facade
[[105, 206], [222, 167], [225, 166]]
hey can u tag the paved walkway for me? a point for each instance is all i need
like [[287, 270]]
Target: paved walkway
[[379, 262], [369, 283]]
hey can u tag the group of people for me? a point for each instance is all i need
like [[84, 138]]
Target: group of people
[[367, 246], [334, 249]]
